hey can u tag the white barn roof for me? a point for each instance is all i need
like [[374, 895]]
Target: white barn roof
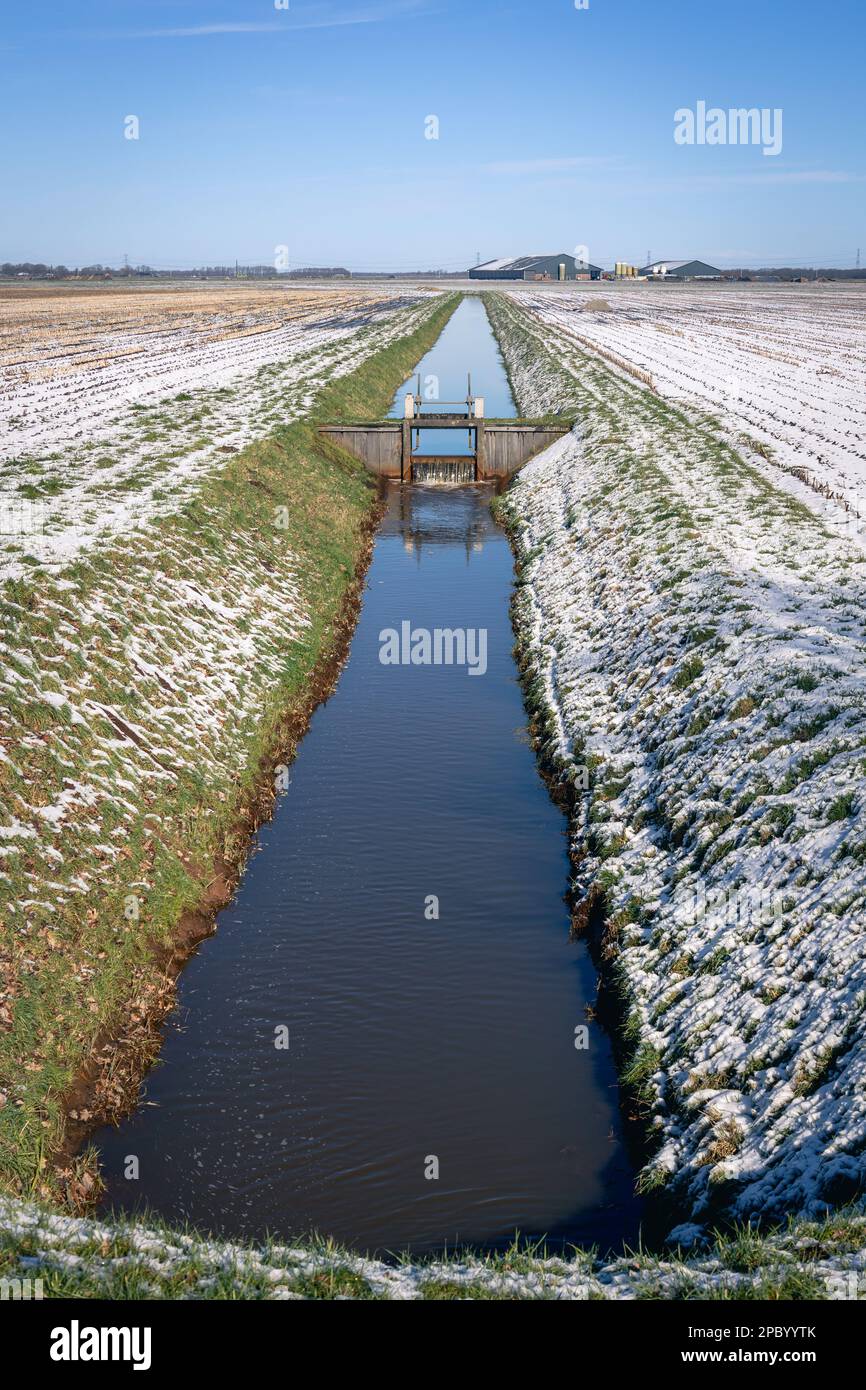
[[694, 269], [521, 262]]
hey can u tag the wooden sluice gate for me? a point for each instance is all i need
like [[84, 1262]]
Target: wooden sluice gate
[[497, 448]]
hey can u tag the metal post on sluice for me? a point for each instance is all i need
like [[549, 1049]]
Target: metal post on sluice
[[406, 453], [480, 458]]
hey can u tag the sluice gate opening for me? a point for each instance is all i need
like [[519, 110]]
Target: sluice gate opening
[[440, 468]]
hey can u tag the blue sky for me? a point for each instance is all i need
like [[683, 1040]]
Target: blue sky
[[305, 127]]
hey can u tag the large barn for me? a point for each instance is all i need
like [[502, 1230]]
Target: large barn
[[681, 270], [561, 267]]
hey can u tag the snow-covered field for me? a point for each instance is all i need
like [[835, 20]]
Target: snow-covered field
[[199, 650], [697, 638], [782, 365], [113, 404]]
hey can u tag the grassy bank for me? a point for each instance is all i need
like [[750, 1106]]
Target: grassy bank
[[153, 685], [692, 643], [144, 1259]]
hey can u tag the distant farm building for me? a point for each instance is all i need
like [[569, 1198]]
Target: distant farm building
[[681, 270], [560, 267]]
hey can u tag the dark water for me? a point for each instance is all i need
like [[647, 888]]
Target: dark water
[[409, 1038]]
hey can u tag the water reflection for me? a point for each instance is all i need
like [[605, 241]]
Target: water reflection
[[437, 516]]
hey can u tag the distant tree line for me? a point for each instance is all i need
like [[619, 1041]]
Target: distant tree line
[[792, 272], [37, 270]]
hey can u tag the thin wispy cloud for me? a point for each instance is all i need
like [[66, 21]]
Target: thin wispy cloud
[[204, 30], [797, 176], [311, 17], [303, 96], [573, 165], [640, 183], [546, 166]]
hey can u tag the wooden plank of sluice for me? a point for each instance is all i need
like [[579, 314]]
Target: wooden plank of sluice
[[377, 447], [509, 447]]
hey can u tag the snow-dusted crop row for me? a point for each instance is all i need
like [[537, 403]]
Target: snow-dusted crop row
[[68, 362], [112, 408], [698, 640], [783, 365]]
